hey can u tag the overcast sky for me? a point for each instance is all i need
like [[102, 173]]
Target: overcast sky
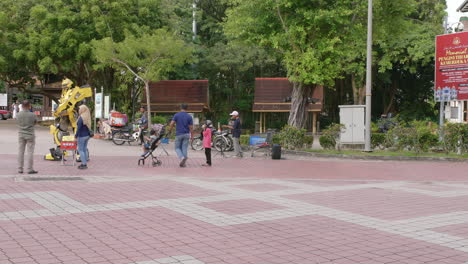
[[452, 6]]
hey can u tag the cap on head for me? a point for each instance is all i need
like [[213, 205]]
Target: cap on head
[[184, 106], [234, 113], [209, 123]]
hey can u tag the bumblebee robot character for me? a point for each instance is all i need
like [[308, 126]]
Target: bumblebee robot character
[[66, 115]]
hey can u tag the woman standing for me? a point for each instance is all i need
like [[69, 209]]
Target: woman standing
[[82, 134], [15, 109]]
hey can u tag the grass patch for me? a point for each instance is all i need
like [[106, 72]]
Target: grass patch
[[388, 153]]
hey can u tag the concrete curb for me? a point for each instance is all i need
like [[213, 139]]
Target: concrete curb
[[365, 157]]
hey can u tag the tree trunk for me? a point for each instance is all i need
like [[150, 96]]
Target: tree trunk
[[393, 89], [148, 103], [298, 114], [355, 90], [362, 94]]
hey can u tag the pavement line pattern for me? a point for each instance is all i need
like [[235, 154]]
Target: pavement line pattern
[[183, 259], [418, 228]]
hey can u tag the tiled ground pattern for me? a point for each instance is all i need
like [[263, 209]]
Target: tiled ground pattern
[[196, 220]]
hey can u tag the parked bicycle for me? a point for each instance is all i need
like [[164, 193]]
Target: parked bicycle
[[222, 141]]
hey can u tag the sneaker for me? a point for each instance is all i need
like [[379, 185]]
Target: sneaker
[[32, 172], [182, 162], [206, 165], [20, 171], [82, 167]]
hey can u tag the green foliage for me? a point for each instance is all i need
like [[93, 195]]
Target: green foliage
[[327, 142], [456, 137], [291, 137], [276, 139], [159, 120], [329, 137], [149, 56], [309, 140], [244, 140], [377, 139], [418, 136]]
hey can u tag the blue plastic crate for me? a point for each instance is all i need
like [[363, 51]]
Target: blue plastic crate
[[256, 140]]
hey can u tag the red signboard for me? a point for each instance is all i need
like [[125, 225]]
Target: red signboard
[[68, 145], [451, 67]]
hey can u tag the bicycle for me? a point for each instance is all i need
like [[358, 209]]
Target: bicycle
[[221, 141]]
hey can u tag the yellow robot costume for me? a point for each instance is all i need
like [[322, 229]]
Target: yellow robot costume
[[66, 114]]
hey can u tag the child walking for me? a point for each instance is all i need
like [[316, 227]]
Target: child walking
[[207, 131]]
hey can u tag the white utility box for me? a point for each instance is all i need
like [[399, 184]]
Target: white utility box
[[353, 118]]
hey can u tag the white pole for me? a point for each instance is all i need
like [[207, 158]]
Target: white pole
[[194, 22], [95, 127], [368, 78]]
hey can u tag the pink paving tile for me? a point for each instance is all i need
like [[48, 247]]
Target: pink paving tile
[[428, 186], [332, 183], [133, 191], [263, 187], [14, 205], [460, 230], [244, 206], [383, 203]]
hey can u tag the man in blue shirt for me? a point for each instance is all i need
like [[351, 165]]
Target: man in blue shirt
[[236, 133], [184, 132]]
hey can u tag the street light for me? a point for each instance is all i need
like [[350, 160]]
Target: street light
[[367, 146]]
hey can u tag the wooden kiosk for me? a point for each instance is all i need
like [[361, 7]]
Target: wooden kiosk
[[166, 96], [272, 95]]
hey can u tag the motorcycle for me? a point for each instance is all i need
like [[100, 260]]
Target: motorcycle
[[128, 135]]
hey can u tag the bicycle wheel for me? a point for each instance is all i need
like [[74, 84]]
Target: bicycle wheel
[[220, 144], [119, 138], [197, 144]]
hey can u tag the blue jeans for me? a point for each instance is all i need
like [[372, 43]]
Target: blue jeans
[[181, 145], [83, 149]]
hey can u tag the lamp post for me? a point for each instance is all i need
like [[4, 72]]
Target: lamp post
[[367, 146]]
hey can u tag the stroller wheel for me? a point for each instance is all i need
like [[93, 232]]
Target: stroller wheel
[[157, 163]]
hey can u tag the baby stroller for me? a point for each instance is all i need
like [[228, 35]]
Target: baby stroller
[[153, 145]]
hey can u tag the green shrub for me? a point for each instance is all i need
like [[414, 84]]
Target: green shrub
[[326, 142], [330, 136], [377, 140], [159, 120], [244, 140], [456, 137], [291, 137], [308, 140], [276, 139], [417, 136]]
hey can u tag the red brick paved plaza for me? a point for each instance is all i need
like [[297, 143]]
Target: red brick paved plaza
[[239, 211]]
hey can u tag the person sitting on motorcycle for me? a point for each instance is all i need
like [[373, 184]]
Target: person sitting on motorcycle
[[149, 140]]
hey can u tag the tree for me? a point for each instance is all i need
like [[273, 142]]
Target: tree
[[42, 37], [305, 32], [149, 57]]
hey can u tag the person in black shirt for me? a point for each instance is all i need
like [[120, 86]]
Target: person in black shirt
[[236, 133]]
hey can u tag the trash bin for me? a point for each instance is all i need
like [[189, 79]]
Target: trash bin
[[276, 151]]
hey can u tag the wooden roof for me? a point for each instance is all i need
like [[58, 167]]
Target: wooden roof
[[271, 93], [167, 96], [463, 7]]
